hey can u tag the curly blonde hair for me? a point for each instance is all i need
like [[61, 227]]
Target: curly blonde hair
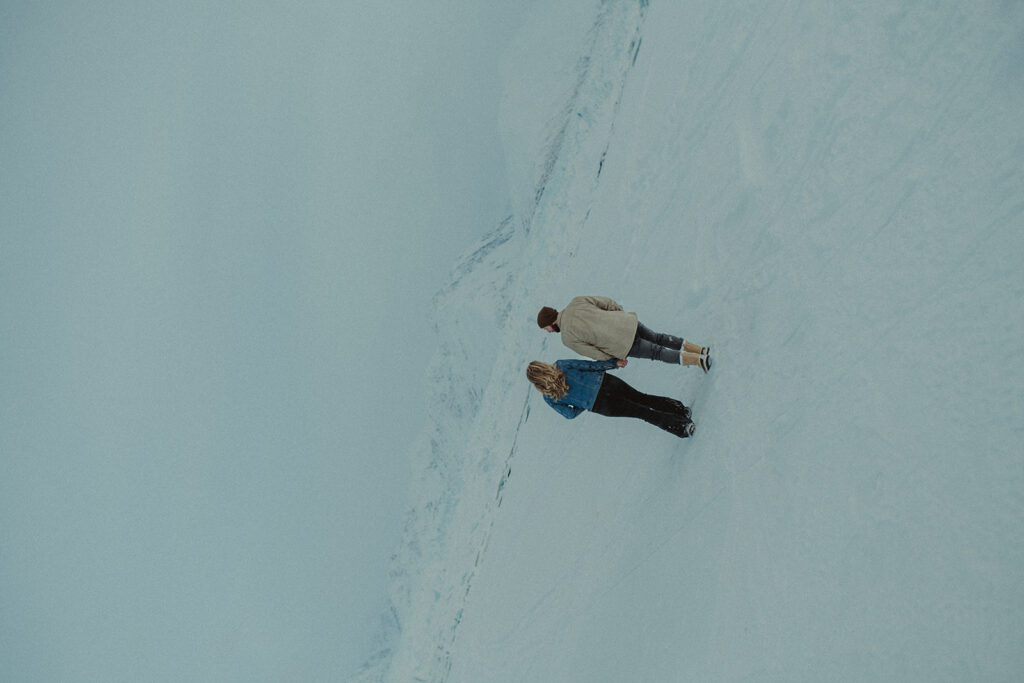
[[548, 379]]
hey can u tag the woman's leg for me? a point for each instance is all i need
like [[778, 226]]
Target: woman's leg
[[618, 399], [668, 405]]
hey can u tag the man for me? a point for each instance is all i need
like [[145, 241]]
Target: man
[[597, 327]]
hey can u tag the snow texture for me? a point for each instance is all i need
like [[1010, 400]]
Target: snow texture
[[831, 195]]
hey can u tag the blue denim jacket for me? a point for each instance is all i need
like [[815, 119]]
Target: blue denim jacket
[[584, 378]]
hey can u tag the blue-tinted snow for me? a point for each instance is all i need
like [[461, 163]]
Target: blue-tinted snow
[[833, 198]]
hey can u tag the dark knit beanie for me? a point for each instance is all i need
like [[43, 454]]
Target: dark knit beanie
[[547, 316]]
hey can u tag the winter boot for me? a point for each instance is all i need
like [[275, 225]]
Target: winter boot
[[689, 358], [703, 351], [680, 429]]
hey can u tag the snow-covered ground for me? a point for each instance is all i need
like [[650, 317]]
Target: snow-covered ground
[[831, 195]]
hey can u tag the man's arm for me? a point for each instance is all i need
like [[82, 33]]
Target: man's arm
[[586, 349], [605, 303]]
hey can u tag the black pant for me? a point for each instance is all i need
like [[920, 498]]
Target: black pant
[[618, 399]]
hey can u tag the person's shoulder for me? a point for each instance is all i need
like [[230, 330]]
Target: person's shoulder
[[571, 365], [578, 303], [592, 300], [578, 364]]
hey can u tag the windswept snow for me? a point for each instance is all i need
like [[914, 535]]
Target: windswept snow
[[832, 197]]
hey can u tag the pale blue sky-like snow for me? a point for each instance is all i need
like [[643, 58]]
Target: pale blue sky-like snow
[[220, 229]]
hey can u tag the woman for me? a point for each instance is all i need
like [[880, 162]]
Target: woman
[[572, 386]]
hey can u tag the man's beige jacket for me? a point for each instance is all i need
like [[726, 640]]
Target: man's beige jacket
[[597, 327]]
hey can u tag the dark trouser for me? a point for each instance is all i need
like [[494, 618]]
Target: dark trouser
[[655, 345], [618, 399]]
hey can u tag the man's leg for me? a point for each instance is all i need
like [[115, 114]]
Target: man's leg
[[659, 338], [645, 349]]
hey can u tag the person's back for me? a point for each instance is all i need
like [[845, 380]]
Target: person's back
[[572, 387], [597, 327]]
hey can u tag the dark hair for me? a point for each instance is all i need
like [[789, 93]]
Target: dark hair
[[547, 316]]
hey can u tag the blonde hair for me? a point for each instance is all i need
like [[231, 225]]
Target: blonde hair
[[548, 379]]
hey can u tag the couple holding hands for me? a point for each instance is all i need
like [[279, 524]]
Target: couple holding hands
[[597, 327]]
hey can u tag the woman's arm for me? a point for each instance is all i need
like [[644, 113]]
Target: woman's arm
[[564, 409], [588, 365]]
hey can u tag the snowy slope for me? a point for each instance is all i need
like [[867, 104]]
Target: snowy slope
[[833, 198]]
